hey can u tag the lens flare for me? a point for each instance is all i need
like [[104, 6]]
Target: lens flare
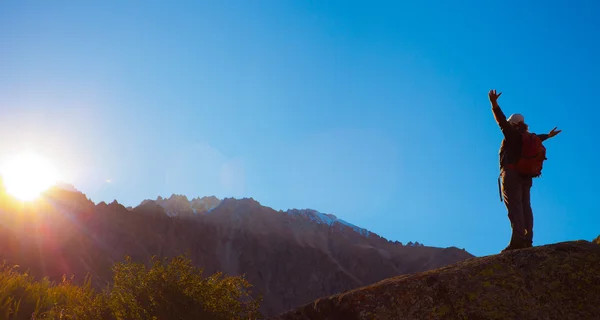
[[27, 175]]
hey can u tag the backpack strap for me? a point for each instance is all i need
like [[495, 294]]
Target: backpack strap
[[500, 187]]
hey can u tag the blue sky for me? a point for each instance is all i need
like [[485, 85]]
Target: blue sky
[[374, 111]]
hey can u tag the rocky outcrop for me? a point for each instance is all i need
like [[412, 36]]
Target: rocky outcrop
[[291, 258], [559, 281], [179, 205]]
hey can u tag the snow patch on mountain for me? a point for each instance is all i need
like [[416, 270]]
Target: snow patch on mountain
[[328, 219]]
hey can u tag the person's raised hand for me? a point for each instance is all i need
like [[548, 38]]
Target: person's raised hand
[[553, 133], [494, 96]]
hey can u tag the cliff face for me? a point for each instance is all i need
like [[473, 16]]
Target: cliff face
[[559, 281], [291, 258]]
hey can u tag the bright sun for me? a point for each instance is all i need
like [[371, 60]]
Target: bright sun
[[27, 175]]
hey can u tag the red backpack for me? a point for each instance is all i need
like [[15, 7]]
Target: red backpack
[[533, 154]]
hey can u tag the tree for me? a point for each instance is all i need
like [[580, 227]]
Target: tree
[[177, 290]]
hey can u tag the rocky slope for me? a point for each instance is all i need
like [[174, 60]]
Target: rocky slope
[[290, 257], [559, 281]]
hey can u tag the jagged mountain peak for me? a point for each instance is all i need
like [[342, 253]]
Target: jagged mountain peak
[[247, 203], [179, 197], [180, 205]]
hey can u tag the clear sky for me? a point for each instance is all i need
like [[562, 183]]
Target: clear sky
[[374, 111]]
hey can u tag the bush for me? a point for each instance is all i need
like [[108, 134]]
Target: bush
[[22, 297], [165, 290], [177, 290]]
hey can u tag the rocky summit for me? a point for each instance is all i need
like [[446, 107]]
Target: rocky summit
[[558, 281]]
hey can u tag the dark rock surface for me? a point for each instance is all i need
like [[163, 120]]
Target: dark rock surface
[[558, 281]]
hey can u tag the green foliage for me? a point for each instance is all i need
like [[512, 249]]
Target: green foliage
[[22, 297], [177, 290], [165, 290]]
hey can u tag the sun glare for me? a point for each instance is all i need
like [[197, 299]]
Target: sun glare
[[27, 175]]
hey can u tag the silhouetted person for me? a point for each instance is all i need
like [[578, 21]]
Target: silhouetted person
[[521, 158]]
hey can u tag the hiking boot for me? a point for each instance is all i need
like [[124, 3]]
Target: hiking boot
[[517, 243], [511, 246], [508, 248]]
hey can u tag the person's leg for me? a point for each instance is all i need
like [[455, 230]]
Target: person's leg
[[512, 193], [527, 211]]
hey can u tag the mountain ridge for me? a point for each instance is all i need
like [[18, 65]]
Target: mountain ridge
[[205, 204], [291, 259]]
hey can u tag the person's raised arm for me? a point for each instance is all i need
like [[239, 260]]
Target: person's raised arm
[[498, 114], [553, 133]]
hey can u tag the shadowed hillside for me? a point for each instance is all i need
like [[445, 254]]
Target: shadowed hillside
[[559, 281], [290, 257]]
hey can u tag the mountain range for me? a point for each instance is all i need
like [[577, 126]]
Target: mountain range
[[291, 257]]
